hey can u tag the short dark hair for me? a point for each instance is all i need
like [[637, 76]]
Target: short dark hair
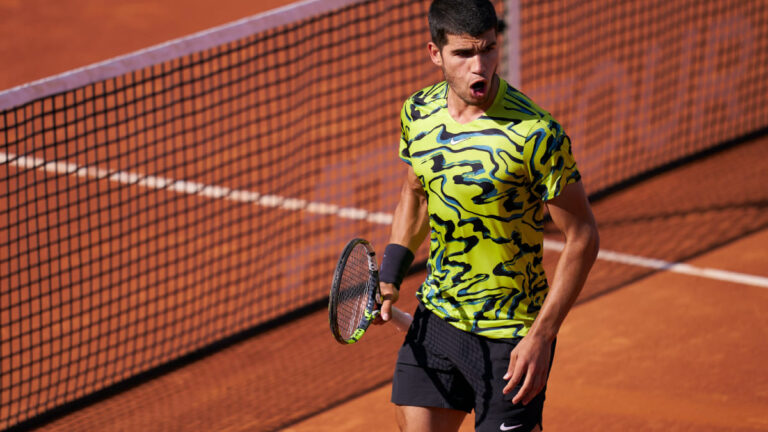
[[458, 17]]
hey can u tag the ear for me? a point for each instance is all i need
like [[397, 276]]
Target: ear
[[434, 54]]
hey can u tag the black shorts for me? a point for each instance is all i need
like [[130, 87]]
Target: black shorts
[[442, 366]]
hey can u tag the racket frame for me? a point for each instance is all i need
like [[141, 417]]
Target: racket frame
[[400, 319]]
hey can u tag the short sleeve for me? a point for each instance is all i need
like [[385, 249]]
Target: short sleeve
[[405, 128], [551, 165]]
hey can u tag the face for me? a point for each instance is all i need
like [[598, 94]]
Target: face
[[469, 65]]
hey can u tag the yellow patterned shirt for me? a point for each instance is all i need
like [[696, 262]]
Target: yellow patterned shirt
[[486, 182]]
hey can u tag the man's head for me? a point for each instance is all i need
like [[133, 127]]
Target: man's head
[[461, 17], [464, 46]]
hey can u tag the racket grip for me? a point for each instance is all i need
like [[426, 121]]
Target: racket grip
[[401, 320]]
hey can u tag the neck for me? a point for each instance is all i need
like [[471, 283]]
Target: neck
[[463, 112]]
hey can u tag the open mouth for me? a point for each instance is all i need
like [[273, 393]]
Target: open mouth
[[477, 88]]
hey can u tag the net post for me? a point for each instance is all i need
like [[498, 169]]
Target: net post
[[510, 67]]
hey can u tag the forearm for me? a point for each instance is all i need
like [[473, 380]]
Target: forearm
[[410, 223], [571, 272]]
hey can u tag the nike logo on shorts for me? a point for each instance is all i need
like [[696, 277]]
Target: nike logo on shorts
[[509, 428]]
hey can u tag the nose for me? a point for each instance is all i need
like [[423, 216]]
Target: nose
[[478, 64]]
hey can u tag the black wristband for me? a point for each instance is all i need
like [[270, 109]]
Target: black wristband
[[395, 263]]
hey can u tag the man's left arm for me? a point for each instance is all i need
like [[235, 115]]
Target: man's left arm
[[571, 213]]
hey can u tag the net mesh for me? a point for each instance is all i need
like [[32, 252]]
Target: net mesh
[[642, 84], [151, 214], [146, 216]]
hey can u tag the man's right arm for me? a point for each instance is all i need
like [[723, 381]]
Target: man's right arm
[[410, 226]]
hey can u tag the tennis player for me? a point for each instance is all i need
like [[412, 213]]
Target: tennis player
[[485, 162]]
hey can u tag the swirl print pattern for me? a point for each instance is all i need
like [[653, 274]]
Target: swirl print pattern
[[486, 182]]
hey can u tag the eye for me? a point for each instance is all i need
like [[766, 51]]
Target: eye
[[489, 48]]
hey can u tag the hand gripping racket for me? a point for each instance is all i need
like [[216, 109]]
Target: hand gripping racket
[[355, 299]]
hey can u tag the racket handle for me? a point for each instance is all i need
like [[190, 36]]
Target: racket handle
[[401, 320]]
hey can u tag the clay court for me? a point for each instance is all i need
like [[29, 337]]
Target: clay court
[[669, 333]]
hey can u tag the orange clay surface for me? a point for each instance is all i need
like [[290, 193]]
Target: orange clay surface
[[40, 38], [668, 352]]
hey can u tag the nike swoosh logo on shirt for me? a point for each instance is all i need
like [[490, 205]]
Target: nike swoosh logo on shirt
[[456, 141], [509, 428]]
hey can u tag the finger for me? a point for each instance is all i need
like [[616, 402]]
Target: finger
[[539, 383], [386, 310], [536, 388], [512, 363], [388, 297], [514, 374], [533, 385], [525, 389]]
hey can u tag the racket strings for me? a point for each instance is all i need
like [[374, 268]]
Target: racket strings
[[355, 292]]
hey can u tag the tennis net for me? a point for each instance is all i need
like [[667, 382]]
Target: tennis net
[[157, 203]]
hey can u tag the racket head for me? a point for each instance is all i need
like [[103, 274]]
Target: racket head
[[352, 303]]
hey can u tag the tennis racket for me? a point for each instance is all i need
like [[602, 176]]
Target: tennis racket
[[355, 300]]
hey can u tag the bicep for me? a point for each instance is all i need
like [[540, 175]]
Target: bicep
[[570, 210], [412, 185], [412, 195], [409, 224]]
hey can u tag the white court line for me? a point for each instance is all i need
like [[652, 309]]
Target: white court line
[[276, 201], [194, 188], [674, 267]]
